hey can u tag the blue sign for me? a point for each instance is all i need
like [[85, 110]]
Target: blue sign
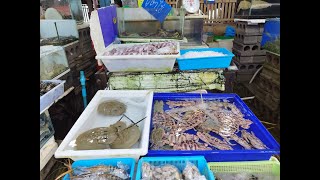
[[159, 9]]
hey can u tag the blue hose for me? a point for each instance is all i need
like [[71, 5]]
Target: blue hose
[[84, 92]]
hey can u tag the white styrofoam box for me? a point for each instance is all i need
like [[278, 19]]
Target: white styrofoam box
[[51, 59], [65, 28], [52, 95], [138, 63], [139, 105], [47, 151]]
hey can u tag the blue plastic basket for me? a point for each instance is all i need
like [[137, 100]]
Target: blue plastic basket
[[205, 62], [108, 162], [238, 154], [180, 162]]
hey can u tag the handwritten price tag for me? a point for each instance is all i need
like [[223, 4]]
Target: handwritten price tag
[[159, 9]]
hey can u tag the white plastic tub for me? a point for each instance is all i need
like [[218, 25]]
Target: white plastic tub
[[139, 104], [52, 95], [138, 63]]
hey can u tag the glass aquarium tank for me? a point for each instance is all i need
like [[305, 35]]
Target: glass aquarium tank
[[53, 62], [257, 9], [46, 128], [68, 9], [193, 28], [138, 23], [58, 32]]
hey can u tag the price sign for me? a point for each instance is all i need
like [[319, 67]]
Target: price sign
[[159, 9]]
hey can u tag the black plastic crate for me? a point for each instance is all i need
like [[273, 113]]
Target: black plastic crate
[[69, 80], [86, 46], [72, 51], [84, 34], [230, 77], [244, 76]]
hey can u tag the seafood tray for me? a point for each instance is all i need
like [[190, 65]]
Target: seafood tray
[[269, 167], [138, 63], [205, 62], [138, 106], [238, 153], [178, 161], [107, 162], [52, 95]]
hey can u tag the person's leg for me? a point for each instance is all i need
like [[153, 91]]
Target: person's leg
[[90, 5]]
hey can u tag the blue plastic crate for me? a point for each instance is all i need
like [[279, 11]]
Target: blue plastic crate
[[180, 162], [238, 154], [108, 162], [205, 62]]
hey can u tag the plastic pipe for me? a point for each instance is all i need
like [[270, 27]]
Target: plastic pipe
[[84, 92]]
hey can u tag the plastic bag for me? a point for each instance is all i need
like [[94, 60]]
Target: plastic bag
[[230, 31], [121, 171], [165, 172], [191, 172]]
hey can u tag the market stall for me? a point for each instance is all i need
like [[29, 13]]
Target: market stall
[[153, 98]]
